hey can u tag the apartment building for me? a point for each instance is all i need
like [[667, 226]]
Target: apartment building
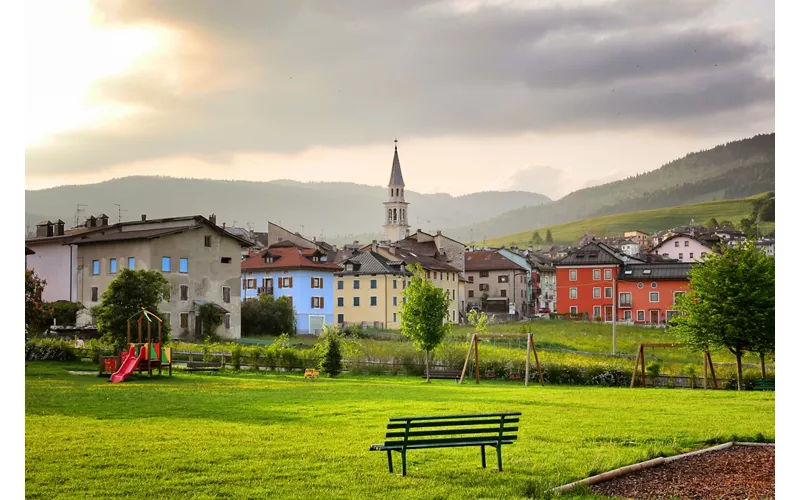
[[495, 281]]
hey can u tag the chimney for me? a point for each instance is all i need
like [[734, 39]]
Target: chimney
[[103, 219], [374, 245], [213, 219], [59, 228], [144, 217], [223, 224], [91, 221], [44, 229]]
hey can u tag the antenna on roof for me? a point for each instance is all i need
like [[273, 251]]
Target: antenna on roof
[[119, 211], [78, 212]]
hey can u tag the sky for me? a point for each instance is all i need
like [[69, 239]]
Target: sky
[[547, 96]]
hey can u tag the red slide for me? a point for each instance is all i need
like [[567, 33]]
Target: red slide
[[129, 364]]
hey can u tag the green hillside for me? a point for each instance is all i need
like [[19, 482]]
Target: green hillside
[[648, 221]]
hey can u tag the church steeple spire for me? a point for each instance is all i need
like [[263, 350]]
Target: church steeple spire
[[396, 178], [396, 226]]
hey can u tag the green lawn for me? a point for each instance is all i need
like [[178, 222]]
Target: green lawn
[[646, 220], [274, 436]]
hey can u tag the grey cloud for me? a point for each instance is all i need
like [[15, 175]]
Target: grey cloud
[[544, 179], [353, 72]]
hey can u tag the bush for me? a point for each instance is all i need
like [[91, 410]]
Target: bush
[[268, 316], [64, 312], [236, 356], [49, 350]]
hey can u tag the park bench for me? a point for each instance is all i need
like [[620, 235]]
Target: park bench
[[450, 431], [445, 374], [203, 366], [765, 384]]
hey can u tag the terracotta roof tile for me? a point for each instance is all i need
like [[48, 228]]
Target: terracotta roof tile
[[488, 260], [287, 258]]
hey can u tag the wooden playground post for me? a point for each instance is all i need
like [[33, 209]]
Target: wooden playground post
[[466, 361], [705, 370], [536, 357], [531, 346], [477, 370], [527, 360]]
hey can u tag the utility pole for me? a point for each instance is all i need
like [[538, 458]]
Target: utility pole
[[614, 316], [119, 211]]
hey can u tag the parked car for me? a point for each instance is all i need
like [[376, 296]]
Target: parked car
[[473, 307]]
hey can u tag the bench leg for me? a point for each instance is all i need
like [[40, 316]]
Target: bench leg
[[389, 454], [499, 459], [403, 453], [483, 456]]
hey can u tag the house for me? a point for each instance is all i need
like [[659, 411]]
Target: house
[[496, 282], [199, 259], [586, 279], [685, 247], [647, 292], [369, 290], [766, 245], [639, 237], [304, 275], [277, 234], [629, 247], [529, 305], [546, 288], [28, 251]]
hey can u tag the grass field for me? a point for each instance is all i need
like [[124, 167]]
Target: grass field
[[279, 436], [648, 221]]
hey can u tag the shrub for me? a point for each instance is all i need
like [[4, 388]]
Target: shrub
[[64, 312], [236, 356], [49, 350], [268, 316], [210, 318]]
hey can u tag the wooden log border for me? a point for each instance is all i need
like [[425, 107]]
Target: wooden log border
[[623, 471]]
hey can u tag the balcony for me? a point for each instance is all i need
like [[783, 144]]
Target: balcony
[[266, 290], [625, 303]]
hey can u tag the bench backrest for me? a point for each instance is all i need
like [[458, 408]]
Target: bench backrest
[[449, 429]]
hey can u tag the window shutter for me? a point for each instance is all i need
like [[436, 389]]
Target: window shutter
[[322, 302], [320, 283], [312, 302], [290, 282], [280, 282]]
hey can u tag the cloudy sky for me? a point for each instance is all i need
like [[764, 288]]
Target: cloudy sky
[[547, 96]]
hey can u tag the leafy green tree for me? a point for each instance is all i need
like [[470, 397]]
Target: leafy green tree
[[37, 313], [127, 295], [479, 321], [268, 316], [726, 224], [423, 318], [210, 318], [747, 226], [330, 351], [730, 304], [712, 223], [64, 311], [549, 237], [537, 238]]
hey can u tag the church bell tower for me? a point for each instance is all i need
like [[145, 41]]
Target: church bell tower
[[395, 226]]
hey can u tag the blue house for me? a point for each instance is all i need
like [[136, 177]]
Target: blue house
[[304, 275]]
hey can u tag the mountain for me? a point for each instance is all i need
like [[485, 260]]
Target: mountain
[[337, 211], [733, 170], [649, 221]]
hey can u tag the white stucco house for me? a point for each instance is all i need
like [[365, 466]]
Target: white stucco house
[[684, 248]]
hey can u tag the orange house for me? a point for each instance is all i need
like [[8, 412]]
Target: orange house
[[647, 292]]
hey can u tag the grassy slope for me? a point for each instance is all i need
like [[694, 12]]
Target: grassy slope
[[648, 221], [272, 436]]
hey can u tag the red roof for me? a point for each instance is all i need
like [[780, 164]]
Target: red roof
[[287, 258], [488, 260]]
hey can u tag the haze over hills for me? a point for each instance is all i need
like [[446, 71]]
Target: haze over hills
[[734, 170], [333, 210]]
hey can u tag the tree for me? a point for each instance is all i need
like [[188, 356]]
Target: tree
[[210, 318], [423, 318], [712, 223], [726, 224], [37, 313], [479, 321], [537, 238], [549, 237], [747, 226], [730, 304], [127, 295], [330, 351], [268, 316]]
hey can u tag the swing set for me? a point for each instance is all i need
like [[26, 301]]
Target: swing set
[[707, 364], [531, 346]]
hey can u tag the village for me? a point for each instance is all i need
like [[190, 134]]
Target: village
[[633, 278]]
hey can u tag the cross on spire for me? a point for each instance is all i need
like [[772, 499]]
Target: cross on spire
[[395, 144]]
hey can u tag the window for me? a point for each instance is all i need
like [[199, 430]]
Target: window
[[251, 283], [653, 296], [596, 311], [625, 299], [596, 274], [394, 317], [394, 284], [573, 309], [95, 267], [340, 301], [671, 314], [284, 282], [653, 284], [680, 255], [316, 283], [503, 278], [225, 260], [428, 275], [686, 243], [608, 292], [547, 280], [677, 244], [394, 301], [627, 315], [471, 279], [356, 301], [596, 292], [675, 296], [471, 294], [373, 284], [640, 285], [184, 320], [227, 321], [165, 264], [573, 293], [226, 294], [483, 274], [112, 266], [691, 255], [184, 292], [502, 293], [95, 293], [340, 285], [448, 276], [702, 255], [183, 265], [483, 287], [404, 284], [207, 240], [373, 301], [166, 293], [317, 302], [454, 294], [573, 275], [639, 315], [132, 263], [404, 300], [607, 274], [356, 284]]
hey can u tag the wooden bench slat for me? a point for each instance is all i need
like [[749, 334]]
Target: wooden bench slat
[[451, 417], [450, 432], [454, 423], [474, 440]]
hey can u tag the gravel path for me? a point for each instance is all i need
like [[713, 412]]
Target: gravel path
[[746, 472]]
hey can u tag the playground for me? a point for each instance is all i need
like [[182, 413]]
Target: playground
[[270, 435]]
